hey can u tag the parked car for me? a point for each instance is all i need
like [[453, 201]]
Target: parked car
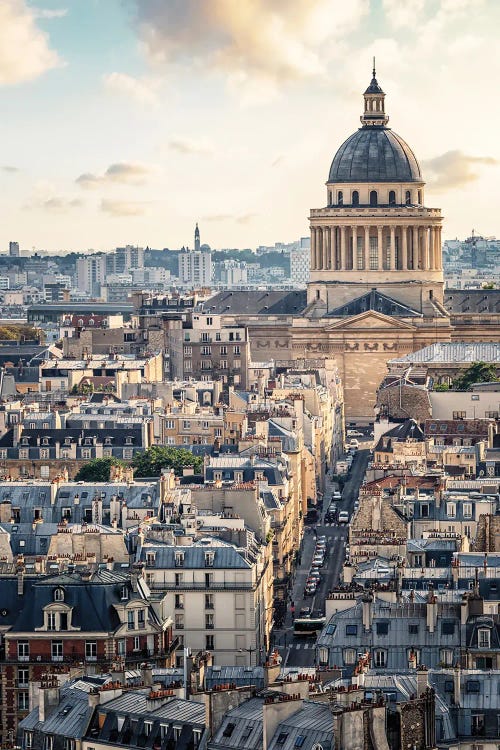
[[314, 574], [353, 443], [337, 495], [343, 517], [354, 433]]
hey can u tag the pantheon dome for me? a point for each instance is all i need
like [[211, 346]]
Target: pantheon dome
[[374, 154]]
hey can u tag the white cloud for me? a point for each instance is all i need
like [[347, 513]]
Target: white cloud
[[10, 169], [128, 173], [140, 89], [455, 169], [124, 208], [185, 145], [25, 52], [268, 39], [49, 13], [46, 197]]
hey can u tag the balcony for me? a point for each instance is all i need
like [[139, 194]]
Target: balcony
[[195, 586]]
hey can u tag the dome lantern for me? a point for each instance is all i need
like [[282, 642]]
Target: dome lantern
[[374, 114]]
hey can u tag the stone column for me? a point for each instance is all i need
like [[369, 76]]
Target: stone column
[[354, 231], [326, 242], [404, 247], [432, 248], [415, 248], [343, 257], [313, 248], [367, 248], [392, 262], [380, 250], [320, 248], [427, 264], [439, 251]]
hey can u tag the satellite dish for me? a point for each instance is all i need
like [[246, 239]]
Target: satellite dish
[[317, 746]]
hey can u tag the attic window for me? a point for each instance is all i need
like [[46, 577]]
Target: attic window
[[229, 729], [282, 738], [58, 595], [124, 593]]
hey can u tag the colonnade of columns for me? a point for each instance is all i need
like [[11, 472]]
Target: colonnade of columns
[[376, 247]]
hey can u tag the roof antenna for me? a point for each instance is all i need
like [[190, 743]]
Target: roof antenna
[[373, 71]]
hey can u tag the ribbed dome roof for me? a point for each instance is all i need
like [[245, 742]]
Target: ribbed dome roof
[[374, 154]]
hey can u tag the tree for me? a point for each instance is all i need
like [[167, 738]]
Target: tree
[[98, 470], [158, 457], [477, 372]]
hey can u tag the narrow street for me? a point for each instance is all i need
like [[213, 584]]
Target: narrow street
[[300, 651]]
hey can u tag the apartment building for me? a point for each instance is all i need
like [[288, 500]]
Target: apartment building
[[221, 595]]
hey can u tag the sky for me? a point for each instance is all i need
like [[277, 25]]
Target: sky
[[127, 121]]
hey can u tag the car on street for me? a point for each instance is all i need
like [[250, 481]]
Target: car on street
[[354, 433], [310, 590], [337, 495], [321, 538], [353, 443], [330, 517], [343, 517], [314, 575], [305, 612]]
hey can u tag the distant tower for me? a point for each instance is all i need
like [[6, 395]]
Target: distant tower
[[197, 239], [14, 249]]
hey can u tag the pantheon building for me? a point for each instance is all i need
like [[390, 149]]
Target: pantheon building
[[376, 287]]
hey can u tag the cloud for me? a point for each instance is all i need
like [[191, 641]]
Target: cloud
[[140, 89], [127, 173], [400, 14], [25, 52], [270, 39], [454, 169], [186, 145], [10, 169], [49, 14], [237, 218], [58, 203], [46, 198], [124, 208]]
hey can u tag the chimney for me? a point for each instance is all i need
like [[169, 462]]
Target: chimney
[[456, 686], [464, 609], [367, 612], [422, 683], [276, 710], [20, 580], [48, 697], [94, 698], [432, 609], [147, 674]]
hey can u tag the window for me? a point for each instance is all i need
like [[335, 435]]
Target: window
[[23, 675], [23, 650], [380, 657], [373, 198], [23, 452], [491, 414], [237, 350], [179, 559], [44, 453], [209, 601], [51, 621], [137, 643], [408, 198], [59, 593], [282, 738], [179, 579], [349, 656], [447, 627], [413, 628], [209, 621], [392, 198], [85, 453], [351, 629], [179, 621], [141, 619], [128, 453], [373, 253], [28, 739], [130, 620], [473, 686], [424, 510], [467, 510], [209, 642], [477, 724], [23, 701], [57, 650], [459, 414], [179, 601], [340, 198], [355, 198], [209, 559], [206, 350], [483, 638], [299, 740], [48, 743], [228, 730], [382, 628], [446, 657], [451, 510], [188, 351], [91, 650]]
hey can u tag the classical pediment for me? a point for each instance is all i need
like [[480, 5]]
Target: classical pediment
[[370, 319]]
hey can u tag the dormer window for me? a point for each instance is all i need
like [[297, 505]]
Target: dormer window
[[59, 595], [25, 441], [209, 559], [124, 593], [484, 638], [150, 559], [179, 559], [107, 441], [128, 440], [45, 441], [67, 441]]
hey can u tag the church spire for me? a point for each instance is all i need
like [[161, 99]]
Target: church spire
[[374, 114], [196, 238]]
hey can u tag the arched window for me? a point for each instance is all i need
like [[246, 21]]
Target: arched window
[[373, 198], [355, 198], [392, 198], [408, 198], [58, 595], [419, 197], [340, 199]]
